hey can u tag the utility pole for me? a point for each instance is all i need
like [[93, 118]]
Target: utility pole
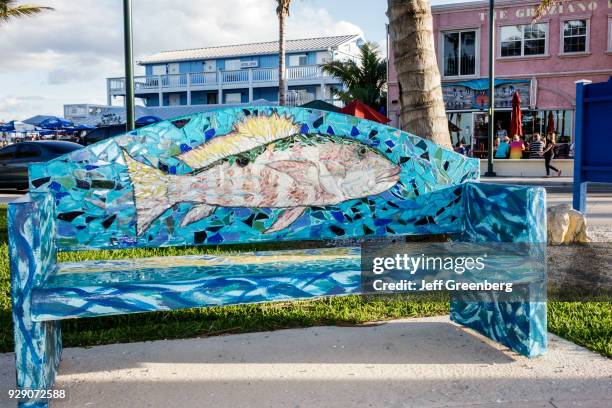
[[129, 65], [490, 172]]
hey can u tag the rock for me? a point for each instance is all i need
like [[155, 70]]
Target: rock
[[566, 225], [558, 223], [577, 231]]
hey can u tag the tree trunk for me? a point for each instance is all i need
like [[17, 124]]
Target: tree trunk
[[282, 72], [422, 105]]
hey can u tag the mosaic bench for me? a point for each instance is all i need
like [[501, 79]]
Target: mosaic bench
[[255, 175]]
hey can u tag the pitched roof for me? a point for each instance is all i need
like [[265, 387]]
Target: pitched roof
[[262, 48]]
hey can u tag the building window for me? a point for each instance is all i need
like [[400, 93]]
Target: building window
[[610, 34], [159, 69], [233, 65], [459, 51], [298, 60], [523, 40], [233, 97], [575, 36]]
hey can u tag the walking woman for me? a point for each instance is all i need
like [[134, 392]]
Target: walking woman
[[549, 153]]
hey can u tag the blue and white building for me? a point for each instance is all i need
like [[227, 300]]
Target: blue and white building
[[235, 74]]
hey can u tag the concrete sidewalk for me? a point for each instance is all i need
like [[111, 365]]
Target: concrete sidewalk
[[427, 362]]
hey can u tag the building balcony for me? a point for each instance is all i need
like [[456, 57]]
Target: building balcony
[[245, 78]]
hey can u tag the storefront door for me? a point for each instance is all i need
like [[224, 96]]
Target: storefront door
[[480, 134]]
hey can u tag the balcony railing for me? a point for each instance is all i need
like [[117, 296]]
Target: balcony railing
[[203, 78], [265, 75], [218, 78], [307, 72]]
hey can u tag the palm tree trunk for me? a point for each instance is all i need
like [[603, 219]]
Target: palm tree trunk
[[422, 105], [282, 72]]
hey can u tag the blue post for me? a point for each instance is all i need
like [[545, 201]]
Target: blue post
[[580, 187]]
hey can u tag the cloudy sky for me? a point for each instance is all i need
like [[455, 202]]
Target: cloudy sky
[[65, 55]]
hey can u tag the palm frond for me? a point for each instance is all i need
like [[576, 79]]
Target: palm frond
[[365, 79], [9, 9], [282, 8], [543, 7]]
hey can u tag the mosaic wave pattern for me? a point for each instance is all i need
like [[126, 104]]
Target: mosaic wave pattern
[[171, 283], [497, 213], [93, 199], [94, 194], [38, 345]]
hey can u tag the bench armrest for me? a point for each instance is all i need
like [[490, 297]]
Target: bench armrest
[[502, 213], [31, 235]]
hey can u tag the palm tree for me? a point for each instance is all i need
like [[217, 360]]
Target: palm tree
[[9, 9], [422, 105], [365, 80], [282, 11]]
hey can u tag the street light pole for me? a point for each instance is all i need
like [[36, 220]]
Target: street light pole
[[129, 65], [490, 172]]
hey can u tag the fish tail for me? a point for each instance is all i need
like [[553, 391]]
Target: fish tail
[[151, 196]]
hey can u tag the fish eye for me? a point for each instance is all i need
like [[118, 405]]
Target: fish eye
[[362, 152], [242, 161]]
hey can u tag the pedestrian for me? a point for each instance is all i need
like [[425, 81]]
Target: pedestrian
[[536, 147], [517, 147], [503, 150], [459, 147], [549, 154], [501, 132]]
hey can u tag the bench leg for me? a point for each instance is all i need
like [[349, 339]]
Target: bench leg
[[520, 326], [38, 345], [507, 214], [38, 348]]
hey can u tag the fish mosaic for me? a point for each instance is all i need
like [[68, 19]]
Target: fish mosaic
[[253, 175], [291, 173]]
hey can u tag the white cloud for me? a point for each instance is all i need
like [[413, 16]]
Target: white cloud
[[12, 106], [81, 43]]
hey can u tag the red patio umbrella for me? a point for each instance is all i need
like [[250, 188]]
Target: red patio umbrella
[[361, 110], [550, 126], [516, 120]]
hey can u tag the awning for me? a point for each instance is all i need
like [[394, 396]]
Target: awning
[[361, 110], [55, 123], [483, 83]]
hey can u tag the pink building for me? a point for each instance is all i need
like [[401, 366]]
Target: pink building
[[572, 42]]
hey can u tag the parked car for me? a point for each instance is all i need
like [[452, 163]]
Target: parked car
[[103, 133], [15, 159]]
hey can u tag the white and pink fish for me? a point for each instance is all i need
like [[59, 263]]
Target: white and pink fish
[[267, 167]]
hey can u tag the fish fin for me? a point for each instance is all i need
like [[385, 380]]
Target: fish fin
[[251, 132], [299, 170], [287, 218], [196, 213], [150, 187]]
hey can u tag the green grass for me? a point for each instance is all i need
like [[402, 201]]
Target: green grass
[[587, 324]]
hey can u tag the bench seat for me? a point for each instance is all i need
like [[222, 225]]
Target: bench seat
[[98, 288]]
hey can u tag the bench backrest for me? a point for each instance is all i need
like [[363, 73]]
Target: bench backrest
[[253, 175]]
